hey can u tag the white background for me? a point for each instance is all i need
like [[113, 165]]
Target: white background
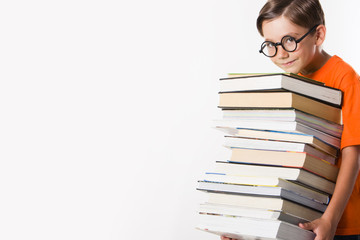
[[106, 110]]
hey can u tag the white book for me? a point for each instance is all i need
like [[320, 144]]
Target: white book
[[288, 173], [267, 191], [285, 115], [258, 202], [322, 140], [252, 228], [262, 181], [270, 125], [238, 211]]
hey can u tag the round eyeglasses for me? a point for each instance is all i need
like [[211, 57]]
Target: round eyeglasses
[[288, 43]]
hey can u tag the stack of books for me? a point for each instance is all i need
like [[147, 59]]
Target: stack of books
[[284, 133]]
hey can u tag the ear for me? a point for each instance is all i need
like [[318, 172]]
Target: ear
[[320, 35]]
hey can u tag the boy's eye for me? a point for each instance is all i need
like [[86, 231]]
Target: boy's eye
[[289, 40], [289, 43], [270, 44]]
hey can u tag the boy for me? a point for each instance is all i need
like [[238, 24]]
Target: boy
[[294, 31]]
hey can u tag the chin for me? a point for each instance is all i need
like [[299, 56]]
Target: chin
[[293, 71], [290, 70]]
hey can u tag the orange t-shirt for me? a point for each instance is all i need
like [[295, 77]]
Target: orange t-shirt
[[338, 74]]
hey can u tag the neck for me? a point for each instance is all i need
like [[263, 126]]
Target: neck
[[318, 61]]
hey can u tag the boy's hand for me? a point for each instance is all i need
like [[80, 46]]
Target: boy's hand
[[321, 227], [226, 238]]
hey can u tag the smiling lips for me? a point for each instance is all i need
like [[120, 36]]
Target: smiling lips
[[287, 64]]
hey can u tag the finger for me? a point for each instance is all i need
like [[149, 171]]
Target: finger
[[307, 226], [226, 238]]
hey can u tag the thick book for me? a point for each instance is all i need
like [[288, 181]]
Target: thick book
[[276, 182], [289, 173], [265, 191], [286, 159], [258, 202], [275, 145], [252, 228], [238, 211], [323, 141], [281, 81], [279, 100], [285, 116]]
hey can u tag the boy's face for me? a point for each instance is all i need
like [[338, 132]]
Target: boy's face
[[301, 60]]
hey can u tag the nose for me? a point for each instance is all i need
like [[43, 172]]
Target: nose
[[281, 53]]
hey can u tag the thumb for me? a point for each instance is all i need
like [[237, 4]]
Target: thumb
[[307, 226]]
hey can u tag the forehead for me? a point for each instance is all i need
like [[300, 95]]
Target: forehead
[[275, 29]]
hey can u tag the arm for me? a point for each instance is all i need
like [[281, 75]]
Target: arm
[[325, 227]]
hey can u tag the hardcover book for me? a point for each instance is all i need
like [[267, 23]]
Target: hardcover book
[[279, 81], [284, 100], [252, 228], [288, 173], [265, 191]]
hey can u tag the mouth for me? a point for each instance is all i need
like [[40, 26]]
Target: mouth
[[287, 64]]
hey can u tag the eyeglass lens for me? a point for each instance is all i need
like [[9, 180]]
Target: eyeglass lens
[[288, 43]]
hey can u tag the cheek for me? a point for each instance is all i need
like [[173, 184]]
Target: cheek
[[273, 59], [305, 50], [276, 62]]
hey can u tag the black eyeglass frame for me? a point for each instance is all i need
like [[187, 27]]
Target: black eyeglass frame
[[281, 42]]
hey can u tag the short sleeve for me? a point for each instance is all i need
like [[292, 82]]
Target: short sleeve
[[351, 111]]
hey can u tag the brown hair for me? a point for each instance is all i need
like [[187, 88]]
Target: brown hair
[[305, 13]]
